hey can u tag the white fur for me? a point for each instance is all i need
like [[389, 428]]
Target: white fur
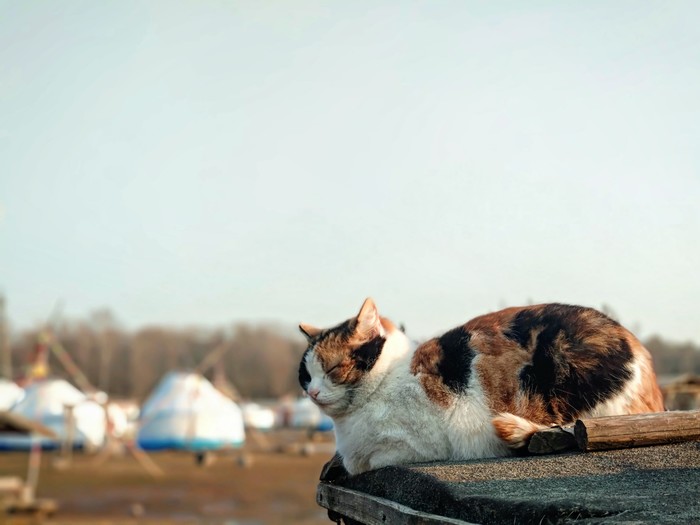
[[622, 402], [388, 419]]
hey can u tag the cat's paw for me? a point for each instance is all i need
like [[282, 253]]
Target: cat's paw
[[334, 470]]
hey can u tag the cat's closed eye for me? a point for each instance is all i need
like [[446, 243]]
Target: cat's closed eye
[[332, 368]]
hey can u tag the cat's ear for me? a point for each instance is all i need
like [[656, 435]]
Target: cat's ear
[[309, 331], [368, 322]]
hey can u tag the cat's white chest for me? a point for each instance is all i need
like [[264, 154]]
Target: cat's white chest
[[399, 425], [391, 431]]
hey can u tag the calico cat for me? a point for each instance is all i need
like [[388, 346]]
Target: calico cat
[[479, 390]]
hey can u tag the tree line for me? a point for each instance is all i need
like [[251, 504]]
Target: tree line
[[671, 358], [261, 361]]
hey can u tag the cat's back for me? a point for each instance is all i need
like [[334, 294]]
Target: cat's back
[[549, 363]]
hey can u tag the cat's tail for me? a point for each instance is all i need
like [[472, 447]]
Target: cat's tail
[[515, 430]]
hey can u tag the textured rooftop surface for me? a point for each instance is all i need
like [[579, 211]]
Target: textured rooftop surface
[[658, 484]]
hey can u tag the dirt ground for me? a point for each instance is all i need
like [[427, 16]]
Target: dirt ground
[[273, 483]]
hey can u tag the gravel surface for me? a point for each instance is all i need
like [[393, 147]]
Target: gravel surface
[[641, 485]]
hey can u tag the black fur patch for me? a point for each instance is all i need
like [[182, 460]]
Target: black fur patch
[[521, 326], [558, 350], [304, 376], [367, 354], [457, 356]]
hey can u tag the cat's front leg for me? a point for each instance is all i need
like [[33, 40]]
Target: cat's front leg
[[334, 470], [397, 455]]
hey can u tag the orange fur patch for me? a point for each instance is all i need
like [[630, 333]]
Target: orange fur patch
[[650, 398], [425, 365]]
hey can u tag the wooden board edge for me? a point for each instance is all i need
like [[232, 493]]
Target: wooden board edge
[[373, 510]]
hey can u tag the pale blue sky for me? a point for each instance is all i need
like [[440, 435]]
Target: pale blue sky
[[205, 162]]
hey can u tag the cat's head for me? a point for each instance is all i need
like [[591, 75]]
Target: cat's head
[[339, 359]]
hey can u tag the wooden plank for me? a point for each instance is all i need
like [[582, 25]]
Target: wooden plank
[[605, 433], [552, 440], [371, 510], [11, 422]]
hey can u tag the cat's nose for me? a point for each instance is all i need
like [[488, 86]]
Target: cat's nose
[[314, 392]]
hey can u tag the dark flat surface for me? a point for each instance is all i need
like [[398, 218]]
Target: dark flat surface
[[658, 484]]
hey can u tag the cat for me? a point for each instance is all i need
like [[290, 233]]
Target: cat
[[479, 390]]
